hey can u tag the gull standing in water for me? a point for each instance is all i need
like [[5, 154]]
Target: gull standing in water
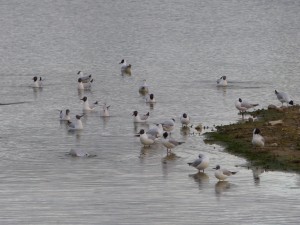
[[84, 79], [125, 69], [184, 119], [222, 82], [243, 105], [257, 139], [284, 98], [140, 119], [86, 105], [146, 139], [64, 116], [77, 125], [169, 143], [201, 163], [223, 174]]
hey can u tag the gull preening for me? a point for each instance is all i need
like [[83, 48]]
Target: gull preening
[[137, 118], [37, 83], [125, 69], [87, 106], [169, 142], [64, 116], [257, 139], [146, 139], [84, 86], [223, 174], [222, 81], [201, 163], [84, 79], [76, 125], [284, 98], [185, 119]]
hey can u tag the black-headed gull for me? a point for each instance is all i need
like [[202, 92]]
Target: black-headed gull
[[223, 174], [146, 139], [284, 98], [201, 163], [64, 116], [105, 112], [137, 118], [125, 69], [168, 125], [76, 125], [84, 86], [156, 131], [37, 83], [87, 106], [143, 89], [185, 119], [222, 82], [150, 98], [169, 142], [84, 79], [257, 139]]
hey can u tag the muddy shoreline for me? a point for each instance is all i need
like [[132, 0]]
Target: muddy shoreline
[[281, 129]]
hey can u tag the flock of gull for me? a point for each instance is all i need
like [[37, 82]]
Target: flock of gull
[[161, 131]]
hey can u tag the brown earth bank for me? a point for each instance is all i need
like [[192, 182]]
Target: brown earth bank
[[281, 129]]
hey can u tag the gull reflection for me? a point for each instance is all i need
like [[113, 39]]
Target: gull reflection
[[200, 178], [221, 186], [257, 171]]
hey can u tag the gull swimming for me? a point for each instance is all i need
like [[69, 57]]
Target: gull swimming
[[125, 69], [78, 153], [140, 119], [77, 125], [150, 98], [87, 106], [169, 143], [146, 139], [64, 116], [222, 82], [222, 174], [168, 125], [257, 139], [201, 163], [37, 83], [84, 86], [284, 98], [105, 112], [144, 88], [184, 119], [84, 79]]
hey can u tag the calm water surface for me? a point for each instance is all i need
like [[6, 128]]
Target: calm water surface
[[180, 48]]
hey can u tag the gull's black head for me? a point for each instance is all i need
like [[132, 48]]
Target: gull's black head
[[122, 61], [240, 100], [291, 102], [184, 115], [79, 80], [165, 135], [135, 113], [256, 131], [34, 78], [151, 96], [84, 99], [142, 131], [217, 167]]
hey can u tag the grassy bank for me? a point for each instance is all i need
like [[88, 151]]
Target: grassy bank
[[282, 147]]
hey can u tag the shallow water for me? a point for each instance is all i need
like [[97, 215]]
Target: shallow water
[[180, 48]]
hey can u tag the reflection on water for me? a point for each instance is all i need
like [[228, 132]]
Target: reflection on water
[[221, 186], [201, 178]]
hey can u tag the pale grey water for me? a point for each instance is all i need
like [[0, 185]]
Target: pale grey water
[[181, 48]]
